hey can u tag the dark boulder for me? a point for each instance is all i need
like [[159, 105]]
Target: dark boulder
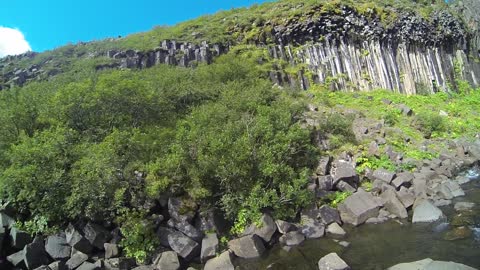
[[57, 247], [183, 245]]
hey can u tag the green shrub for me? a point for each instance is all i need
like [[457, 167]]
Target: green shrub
[[139, 238], [430, 123]]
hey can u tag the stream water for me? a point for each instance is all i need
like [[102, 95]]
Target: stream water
[[377, 247]]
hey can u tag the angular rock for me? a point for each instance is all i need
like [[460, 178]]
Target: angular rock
[[359, 207], [250, 246], [325, 182], [19, 239], [266, 230], [163, 233], [329, 215], [344, 171], [144, 267], [332, 262], [187, 229], [209, 247], [183, 245], [405, 109], [406, 197], [58, 265], [222, 262], [57, 247], [76, 260], [96, 235], [402, 179], [17, 259], [312, 229], [87, 266], [344, 186], [429, 264], [6, 221], [393, 204], [76, 240], [383, 175], [323, 166], [181, 209], [35, 255], [111, 250], [119, 264], [168, 261], [335, 229], [284, 227], [425, 211], [454, 188], [294, 238]]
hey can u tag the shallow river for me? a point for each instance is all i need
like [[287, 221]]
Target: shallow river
[[380, 246]]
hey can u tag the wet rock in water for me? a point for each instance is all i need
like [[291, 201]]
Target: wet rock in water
[[294, 238], [443, 226], [335, 229], [429, 264], [359, 207], [463, 206], [376, 220], [265, 231], [458, 233], [425, 211], [463, 219], [250, 246], [222, 262], [332, 262]]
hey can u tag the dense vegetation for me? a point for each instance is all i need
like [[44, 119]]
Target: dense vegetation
[[74, 147]]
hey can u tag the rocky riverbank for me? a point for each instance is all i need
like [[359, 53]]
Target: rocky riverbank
[[189, 236]]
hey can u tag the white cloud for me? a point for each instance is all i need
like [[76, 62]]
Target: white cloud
[[12, 42]]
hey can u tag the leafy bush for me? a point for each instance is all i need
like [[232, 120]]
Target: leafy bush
[[430, 123], [139, 238], [339, 127]]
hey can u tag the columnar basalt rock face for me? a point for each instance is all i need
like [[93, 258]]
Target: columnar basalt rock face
[[353, 52]]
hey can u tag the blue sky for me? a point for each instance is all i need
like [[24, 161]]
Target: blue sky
[[47, 24]]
